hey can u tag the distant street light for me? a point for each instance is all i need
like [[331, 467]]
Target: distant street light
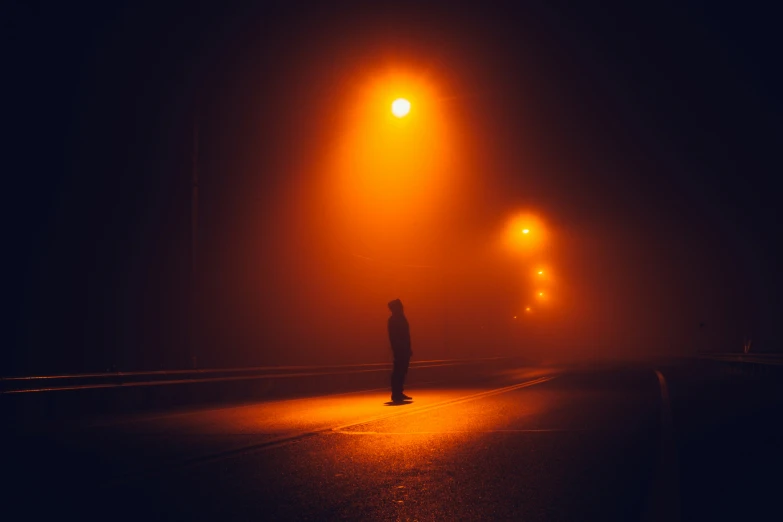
[[400, 107], [525, 233], [540, 272]]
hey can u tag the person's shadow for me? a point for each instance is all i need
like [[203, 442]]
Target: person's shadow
[[397, 403]]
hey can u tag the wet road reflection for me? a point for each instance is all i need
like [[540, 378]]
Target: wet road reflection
[[544, 444], [575, 446]]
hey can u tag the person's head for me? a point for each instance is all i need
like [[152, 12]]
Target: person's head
[[395, 306]]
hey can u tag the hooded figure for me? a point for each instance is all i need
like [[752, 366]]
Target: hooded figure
[[400, 339]]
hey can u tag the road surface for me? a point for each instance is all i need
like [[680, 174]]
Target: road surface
[[608, 442]]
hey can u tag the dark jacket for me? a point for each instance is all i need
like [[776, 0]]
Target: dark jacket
[[399, 331]]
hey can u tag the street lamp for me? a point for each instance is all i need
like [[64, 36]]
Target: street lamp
[[400, 107], [525, 233]]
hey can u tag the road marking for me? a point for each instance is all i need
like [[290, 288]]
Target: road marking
[[446, 432], [449, 402], [665, 490], [388, 364], [288, 439], [136, 418], [209, 379]]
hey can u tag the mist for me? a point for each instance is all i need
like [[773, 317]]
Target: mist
[[318, 206]]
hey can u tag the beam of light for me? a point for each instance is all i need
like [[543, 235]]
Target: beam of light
[[385, 187], [390, 173], [400, 107]]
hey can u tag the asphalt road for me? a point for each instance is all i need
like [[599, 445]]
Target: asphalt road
[[609, 442]]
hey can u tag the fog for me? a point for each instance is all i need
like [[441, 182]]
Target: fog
[[374, 208], [318, 206]]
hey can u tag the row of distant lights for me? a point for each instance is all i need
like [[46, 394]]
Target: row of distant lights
[[529, 309], [400, 108]]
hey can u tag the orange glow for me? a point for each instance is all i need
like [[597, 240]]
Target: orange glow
[[400, 107], [527, 309], [391, 174], [544, 274], [541, 294], [525, 233]]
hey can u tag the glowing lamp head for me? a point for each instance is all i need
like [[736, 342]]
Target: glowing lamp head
[[525, 231], [400, 107]]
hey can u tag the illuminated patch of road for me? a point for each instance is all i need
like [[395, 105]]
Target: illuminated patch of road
[[278, 424], [338, 429], [452, 402]]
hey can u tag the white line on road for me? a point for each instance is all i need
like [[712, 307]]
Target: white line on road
[[459, 400], [665, 491], [208, 379], [414, 364], [282, 441], [408, 411], [194, 412], [447, 432]]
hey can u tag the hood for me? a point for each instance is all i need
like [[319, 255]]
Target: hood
[[395, 306]]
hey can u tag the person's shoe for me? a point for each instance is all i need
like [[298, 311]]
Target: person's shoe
[[396, 398], [406, 398]]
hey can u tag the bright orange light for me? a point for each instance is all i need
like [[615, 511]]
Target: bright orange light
[[386, 170], [541, 273], [515, 317], [400, 107], [525, 233], [527, 309], [541, 294]]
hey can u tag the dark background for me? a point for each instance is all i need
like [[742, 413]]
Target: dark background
[[649, 136]]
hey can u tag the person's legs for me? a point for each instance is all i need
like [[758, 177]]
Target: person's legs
[[404, 363], [398, 377]]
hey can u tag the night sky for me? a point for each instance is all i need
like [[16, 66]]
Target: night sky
[[648, 139]]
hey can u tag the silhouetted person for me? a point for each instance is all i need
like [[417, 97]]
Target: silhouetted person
[[400, 339]]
